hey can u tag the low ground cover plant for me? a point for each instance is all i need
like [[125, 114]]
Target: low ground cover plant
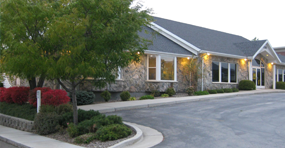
[[125, 96], [235, 90], [164, 95], [155, 93], [246, 85], [170, 91], [228, 90], [220, 91], [280, 85], [212, 91], [201, 93], [25, 111], [132, 99], [146, 97]]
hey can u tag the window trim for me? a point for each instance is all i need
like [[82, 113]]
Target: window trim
[[229, 73], [158, 68]]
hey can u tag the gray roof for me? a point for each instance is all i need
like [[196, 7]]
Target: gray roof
[[211, 40], [281, 57], [161, 43]]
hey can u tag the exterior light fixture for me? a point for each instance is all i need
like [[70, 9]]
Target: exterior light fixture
[[188, 58], [138, 52], [245, 59], [267, 55], [272, 63], [208, 53]]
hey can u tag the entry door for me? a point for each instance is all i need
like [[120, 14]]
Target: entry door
[[258, 77]]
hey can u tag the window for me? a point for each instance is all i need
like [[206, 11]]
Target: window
[[224, 72], [280, 75], [161, 68], [119, 74]]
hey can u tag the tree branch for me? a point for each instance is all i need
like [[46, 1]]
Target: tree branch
[[59, 81]]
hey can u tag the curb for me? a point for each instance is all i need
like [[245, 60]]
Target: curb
[[127, 142], [16, 144]]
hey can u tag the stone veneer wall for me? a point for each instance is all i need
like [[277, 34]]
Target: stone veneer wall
[[17, 123], [134, 79]]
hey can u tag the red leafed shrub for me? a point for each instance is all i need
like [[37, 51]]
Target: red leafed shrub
[[20, 95], [33, 95], [2, 90], [55, 97], [7, 96]]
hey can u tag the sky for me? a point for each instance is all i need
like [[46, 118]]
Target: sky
[[263, 19]]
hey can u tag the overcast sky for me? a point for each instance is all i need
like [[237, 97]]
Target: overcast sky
[[247, 18]]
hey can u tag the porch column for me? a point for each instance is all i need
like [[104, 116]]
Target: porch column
[[274, 76], [250, 70]]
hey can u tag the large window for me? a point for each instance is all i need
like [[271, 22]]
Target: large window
[[280, 75], [224, 72], [161, 68]]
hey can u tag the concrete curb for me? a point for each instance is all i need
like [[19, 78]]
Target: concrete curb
[[16, 144], [136, 138]]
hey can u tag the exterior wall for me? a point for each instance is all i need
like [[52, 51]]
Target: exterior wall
[[134, 79], [242, 72]]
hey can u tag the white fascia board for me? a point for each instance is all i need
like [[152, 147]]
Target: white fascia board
[[272, 50], [167, 53], [225, 55], [175, 38]]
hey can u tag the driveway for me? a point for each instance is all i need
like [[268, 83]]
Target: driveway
[[247, 121]]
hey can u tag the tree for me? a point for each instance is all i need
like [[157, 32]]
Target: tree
[[255, 39], [192, 72], [92, 39], [24, 49]]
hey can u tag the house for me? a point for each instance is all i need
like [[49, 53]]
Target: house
[[225, 60]]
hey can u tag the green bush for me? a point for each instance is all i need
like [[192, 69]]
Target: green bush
[[132, 99], [190, 91], [86, 138], [201, 93], [84, 97], [155, 93], [25, 111], [220, 91], [86, 126], [228, 90], [246, 85], [125, 96], [146, 97], [72, 130], [46, 123], [106, 95], [164, 95], [1, 84], [280, 85], [212, 91], [82, 115], [235, 90], [63, 108], [113, 132], [47, 109], [170, 91]]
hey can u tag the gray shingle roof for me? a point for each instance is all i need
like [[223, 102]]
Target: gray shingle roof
[[281, 57], [163, 44], [211, 40]]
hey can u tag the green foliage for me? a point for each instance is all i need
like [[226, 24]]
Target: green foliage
[[46, 123], [113, 132], [280, 85], [84, 97], [228, 90], [201, 93], [132, 99], [146, 97], [1, 84], [190, 91], [246, 85], [212, 91], [82, 115], [164, 95], [63, 108], [125, 96], [47, 109], [220, 91], [106, 95], [170, 91], [72, 130], [86, 138], [155, 93], [25, 111], [235, 90]]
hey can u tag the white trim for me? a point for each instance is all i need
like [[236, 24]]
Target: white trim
[[250, 70], [161, 81], [147, 66], [261, 48], [175, 68], [158, 67], [224, 54], [229, 72], [220, 72], [175, 38], [274, 76], [168, 53], [224, 83]]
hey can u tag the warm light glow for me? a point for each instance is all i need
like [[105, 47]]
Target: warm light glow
[[267, 55], [138, 52], [245, 59], [188, 58], [208, 53], [272, 63]]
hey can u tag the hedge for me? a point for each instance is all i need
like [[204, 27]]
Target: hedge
[[246, 85], [280, 85]]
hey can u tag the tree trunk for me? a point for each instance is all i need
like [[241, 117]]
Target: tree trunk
[[41, 81], [32, 83], [74, 104]]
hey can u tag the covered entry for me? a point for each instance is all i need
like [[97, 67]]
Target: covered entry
[[258, 73]]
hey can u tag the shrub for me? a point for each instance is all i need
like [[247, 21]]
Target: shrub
[[132, 99], [235, 90], [72, 130], [146, 97], [7, 96], [155, 93], [113, 132], [228, 90], [47, 109], [125, 96], [20, 95], [63, 108], [201, 93], [190, 91], [2, 90], [86, 126], [280, 85], [46, 123], [246, 85], [170, 91], [164, 95], [25, 111], [55, 97], [106, 95], [1, 84], [212, 91], [33, 94], [86, 138], [220, 91], [84, 97]]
